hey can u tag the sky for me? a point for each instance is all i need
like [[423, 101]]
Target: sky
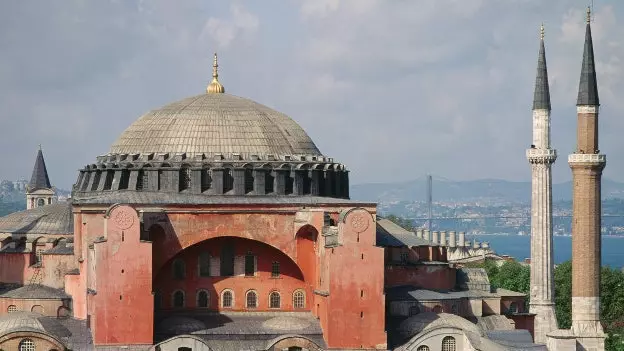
[[392, 89]]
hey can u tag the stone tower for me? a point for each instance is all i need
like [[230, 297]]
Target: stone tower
[[541, 157], [587, 164], [39, 191]]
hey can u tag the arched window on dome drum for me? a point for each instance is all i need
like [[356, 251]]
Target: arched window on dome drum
[[228, 180], [249, 180], [322, 183], [252, 299], [178, 299], [125, 179], [96, 180], [299, 299], [179, 269], [27, 345], [274, 300], [289, 182], [423, 348], [204, 264], [40, 202], [206, 179], [185, 178], [448, 344], [108, 182], [203, 299], [307, 183], [438, 309], [269, 182], [139, 184]]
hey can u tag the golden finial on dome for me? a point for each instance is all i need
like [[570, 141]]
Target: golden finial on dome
[[588, 14], [215, 86], [542, 31]]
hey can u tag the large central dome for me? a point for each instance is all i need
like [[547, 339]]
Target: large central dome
[[215, 124]]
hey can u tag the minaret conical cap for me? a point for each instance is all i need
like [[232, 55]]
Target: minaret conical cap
[[541, 95], [215, 86], [588, 85]]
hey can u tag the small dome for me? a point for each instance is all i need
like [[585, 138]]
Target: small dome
[[430, 320], [176, 325], [212, 124], [286, 323]]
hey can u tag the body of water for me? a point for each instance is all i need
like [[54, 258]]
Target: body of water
[[519, 247]]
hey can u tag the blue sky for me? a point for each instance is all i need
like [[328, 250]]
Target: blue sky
[[392, 89]]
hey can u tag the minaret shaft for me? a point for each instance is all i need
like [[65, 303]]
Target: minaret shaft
[[541, 157], [587, 164]]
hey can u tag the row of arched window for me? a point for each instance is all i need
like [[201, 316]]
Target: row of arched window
[[448, 344], [202, 299]]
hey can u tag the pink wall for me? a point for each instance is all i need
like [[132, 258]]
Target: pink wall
[[438, 277], [123, 306]]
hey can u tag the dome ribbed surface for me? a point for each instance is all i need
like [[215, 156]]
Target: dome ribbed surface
[[215, 124]]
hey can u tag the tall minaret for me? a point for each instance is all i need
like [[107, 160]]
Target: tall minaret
[[39, 192], [587, 164], [541, 157]]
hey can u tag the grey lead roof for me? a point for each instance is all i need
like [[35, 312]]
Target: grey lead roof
[[390, 234], [35, 291], [215, 124], [39, 178], [49, 219], [588, 86], [541, 95], [158, 198]]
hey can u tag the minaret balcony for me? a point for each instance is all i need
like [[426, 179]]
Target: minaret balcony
[[587, 158], [541, 155]]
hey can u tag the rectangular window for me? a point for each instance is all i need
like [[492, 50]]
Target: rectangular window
[[404, 257], [275, 270], [250, 265]]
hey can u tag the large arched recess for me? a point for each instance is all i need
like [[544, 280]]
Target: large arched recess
[[182, 232], [306, 239], [290, 280]]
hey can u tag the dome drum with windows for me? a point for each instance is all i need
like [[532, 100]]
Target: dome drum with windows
[[214, 144]]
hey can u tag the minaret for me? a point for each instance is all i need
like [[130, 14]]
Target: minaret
[[39, 191], [587, 164], [541, 157]]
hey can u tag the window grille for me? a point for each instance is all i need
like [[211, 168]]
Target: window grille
[[274, 300], [203, 300], [448, 344], [185, 178], [423, 348], [228, 299], [27, 345], [299, 299], [228, 180], [11, 309], [252, 299], [275, 269], [513, 308], [204, 264]]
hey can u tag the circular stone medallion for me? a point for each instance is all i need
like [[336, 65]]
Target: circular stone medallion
[[359, 222], [123, 219]]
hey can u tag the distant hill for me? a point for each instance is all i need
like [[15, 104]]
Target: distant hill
[[495, 190]]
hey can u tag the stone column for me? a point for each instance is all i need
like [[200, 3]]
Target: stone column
[[419, 233], [452, 239], [462, 239], [443, 238]]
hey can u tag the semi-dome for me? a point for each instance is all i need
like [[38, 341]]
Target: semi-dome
[[211, 144], [212, 124]]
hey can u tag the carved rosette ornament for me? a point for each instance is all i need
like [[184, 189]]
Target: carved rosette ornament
[[123, 219], [360, 221]]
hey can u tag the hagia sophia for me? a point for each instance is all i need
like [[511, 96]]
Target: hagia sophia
[[215, 223]]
